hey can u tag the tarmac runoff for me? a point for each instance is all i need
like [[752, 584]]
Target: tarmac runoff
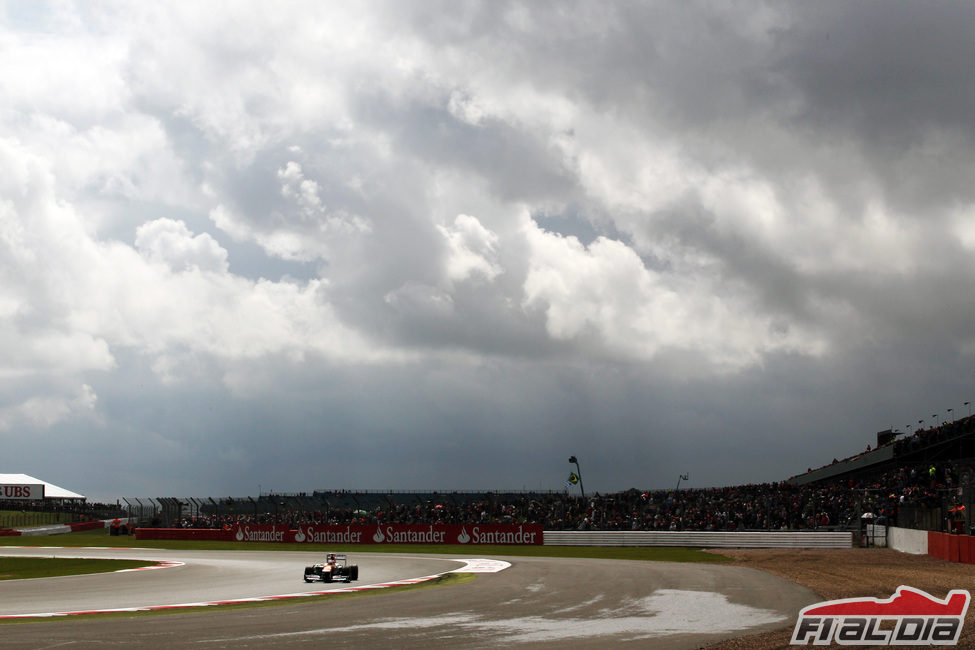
[[534, 602]]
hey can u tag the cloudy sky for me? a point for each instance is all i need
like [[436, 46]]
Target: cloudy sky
[[288, 246]]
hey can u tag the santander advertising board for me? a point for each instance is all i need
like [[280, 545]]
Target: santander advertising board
[[506, 534]]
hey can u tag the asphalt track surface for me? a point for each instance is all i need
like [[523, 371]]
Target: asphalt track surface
[[537, 602]]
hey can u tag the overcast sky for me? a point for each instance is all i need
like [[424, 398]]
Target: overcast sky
[[288, 246]]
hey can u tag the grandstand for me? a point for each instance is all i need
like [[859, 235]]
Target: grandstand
[[950, 441], [915, 495]]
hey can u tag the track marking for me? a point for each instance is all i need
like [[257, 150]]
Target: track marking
[[481, 565]]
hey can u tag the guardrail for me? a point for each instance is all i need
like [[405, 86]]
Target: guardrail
[[702, 539]]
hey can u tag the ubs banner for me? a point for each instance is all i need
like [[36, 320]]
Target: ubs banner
[[508, 534], [22, 492]]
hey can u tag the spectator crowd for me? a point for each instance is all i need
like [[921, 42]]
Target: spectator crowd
[[838, 503]]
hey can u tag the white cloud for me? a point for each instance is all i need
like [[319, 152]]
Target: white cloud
[[70, 72], [472, 249], [69, 300], [963, 226], [224, 219], [43, 411], [170, 242], [213, 312], [605, 291], [43, 250]]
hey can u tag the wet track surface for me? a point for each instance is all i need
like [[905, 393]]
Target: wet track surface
[[537, 602]]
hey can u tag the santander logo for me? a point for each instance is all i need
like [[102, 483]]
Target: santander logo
[[463, 538], [240, 534], [300, 535], [379, 538]]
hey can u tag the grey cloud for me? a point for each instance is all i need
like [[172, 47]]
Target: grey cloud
[[883, 82], [886, 71], [515, 164]]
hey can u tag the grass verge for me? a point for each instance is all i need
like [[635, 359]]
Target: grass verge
[[20, 568]]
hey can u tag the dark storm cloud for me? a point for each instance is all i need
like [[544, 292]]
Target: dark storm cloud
[[886, 72], [893, 78]]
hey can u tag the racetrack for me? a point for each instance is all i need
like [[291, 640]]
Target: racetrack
[[199, 577], [537, 602]]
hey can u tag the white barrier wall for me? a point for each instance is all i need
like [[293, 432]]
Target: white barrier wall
[[701, 539], [907, 540]]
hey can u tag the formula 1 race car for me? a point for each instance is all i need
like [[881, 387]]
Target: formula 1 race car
[[334, 569]]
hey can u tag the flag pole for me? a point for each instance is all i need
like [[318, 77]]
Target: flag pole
[[680, 477], [573, 459]]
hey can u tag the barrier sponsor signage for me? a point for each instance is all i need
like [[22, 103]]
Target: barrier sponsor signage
[[22, 492], [909, 617], [506, 534]]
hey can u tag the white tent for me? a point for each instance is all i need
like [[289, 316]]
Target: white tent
[[51, 491]]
